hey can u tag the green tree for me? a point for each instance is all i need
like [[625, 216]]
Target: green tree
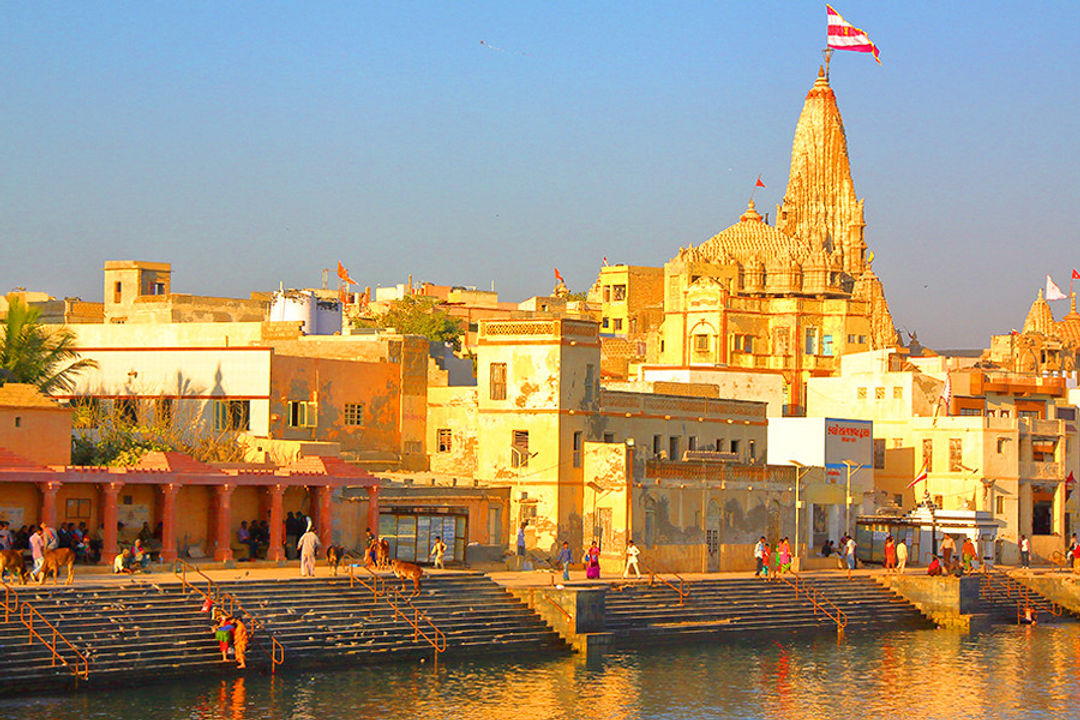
[[418, 315], [37, 355]]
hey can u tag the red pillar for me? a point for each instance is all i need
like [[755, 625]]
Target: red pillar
[[276, 551], [48, 502], [223, 525], [168, 522], [109, 492], [323, 518], [373, 509]]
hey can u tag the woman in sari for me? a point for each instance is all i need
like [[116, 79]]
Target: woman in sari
[[592, 562], [785, 556], [890, 554], [223, 633]]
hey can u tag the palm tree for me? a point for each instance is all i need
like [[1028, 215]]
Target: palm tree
[[34, 355]]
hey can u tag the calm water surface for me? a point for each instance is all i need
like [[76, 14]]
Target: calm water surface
[[1009, 673]]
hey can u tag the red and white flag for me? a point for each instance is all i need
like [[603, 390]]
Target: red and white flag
[[1053, 292], [946, 393], [842, 35], [918, 478]]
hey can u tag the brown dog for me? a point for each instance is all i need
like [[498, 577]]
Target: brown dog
[[53, 560], [12, 561], [335, 555], [408, 571]]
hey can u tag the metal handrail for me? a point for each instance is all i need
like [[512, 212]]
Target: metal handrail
[[654, 575], [816, 597], [10, 608], [1024, 594], [25, 610], [437, 639], [219, 598], [557, 606]]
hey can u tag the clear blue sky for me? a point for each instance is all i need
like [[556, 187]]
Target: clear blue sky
[[257, 142]]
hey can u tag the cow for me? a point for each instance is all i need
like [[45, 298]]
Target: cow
[[12, 561], [53, 560]]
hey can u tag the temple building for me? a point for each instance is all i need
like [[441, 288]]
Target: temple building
[[785, 299], [1044, 347]]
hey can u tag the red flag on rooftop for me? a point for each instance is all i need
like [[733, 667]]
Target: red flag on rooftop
[[344, 274], [759, 183], [842, 35], [1075, 275], [1070, 480], [558, 277]]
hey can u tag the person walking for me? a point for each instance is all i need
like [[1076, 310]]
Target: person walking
[[5, 536], [308, 547], [968, 555], [1025, 552], [849, 555], [759, 556], [37, 551], [784, 556], [292, 534], [240, 643], [901, 556], [948, 547], [565, 558], [592, 562], [632, 553], [438, 551], [521, 545], [890, 554]]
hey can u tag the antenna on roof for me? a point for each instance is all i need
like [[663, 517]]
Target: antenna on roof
[[325, 277]]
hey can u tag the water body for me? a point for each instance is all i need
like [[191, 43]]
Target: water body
[[1008, 673]]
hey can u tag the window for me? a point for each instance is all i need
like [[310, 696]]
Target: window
[[443, 440], [970, 412], [18, 421], [753, 451], [999, 505], [862, 339], [657, 442], [701, 343], [77, 509], [1066, 413], [879, 393], [673, 447], [826, 345], [609, 437], [303, 414], [605, 323], [811, 341], [898, 498], [735, 446], [618, 293], [577, 448], [354, 413], [719, 444], [126, 410], [898, 392], [118, 293], [519, 449], [497, 381], [898, 442], [232, 414], [1001, 444], [691, 442], [851, 339], [861, 393], [879, 453], [607, 293], [928, 454], [590, 384], [956, 454], [157, 288], [617, 323]]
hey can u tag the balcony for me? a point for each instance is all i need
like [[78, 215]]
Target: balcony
[[1042, 471]]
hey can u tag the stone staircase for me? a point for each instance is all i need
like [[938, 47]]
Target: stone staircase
[[149, 631], [1002, 598], [319, 619], [638, 612]]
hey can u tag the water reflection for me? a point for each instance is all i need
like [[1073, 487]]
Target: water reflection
[[1015, 672]]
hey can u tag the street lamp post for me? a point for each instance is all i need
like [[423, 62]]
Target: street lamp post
[[800, 473], [852, 468]]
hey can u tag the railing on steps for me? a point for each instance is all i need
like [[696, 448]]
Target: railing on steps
[[557, 606], [817, 598], [1027, 600], [28, 615], [655, 569], [421, 623], [230, 604]]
